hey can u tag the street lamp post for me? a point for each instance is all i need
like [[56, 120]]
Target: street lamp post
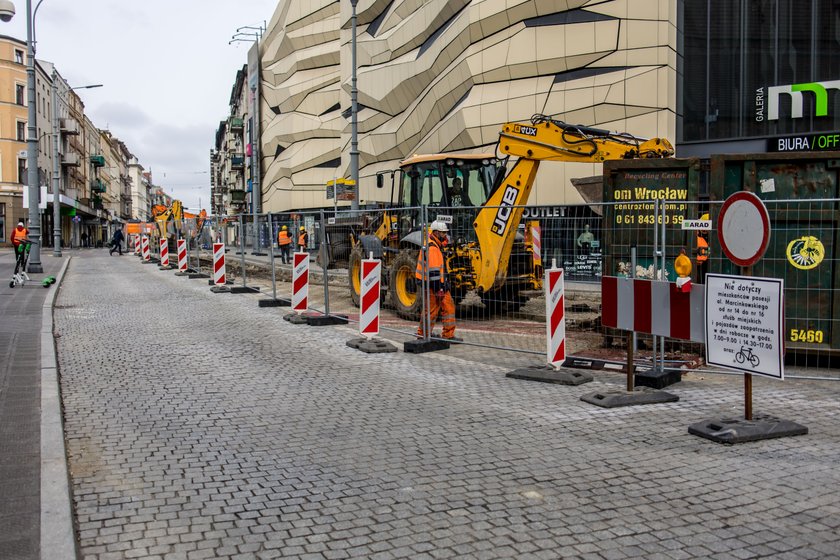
[[32, 146], [56, 182], [354, 111]]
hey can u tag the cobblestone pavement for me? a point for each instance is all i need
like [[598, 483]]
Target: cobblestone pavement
[[201, 426]]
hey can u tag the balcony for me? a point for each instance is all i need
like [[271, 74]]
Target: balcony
[[96, 203], [236, 123], [97, 161], [69, 127], [71, 159], [237, 160], [97, 186]]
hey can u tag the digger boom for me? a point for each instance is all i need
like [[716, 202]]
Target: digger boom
[[543, 139]]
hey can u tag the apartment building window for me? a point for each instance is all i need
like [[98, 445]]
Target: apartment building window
[[19, 56], [19, 94], [2, 222], [21, 131], [21, 170]]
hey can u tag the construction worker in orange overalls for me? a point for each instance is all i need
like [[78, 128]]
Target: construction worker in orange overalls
[[303, 239], [284, 241], [433, 269]]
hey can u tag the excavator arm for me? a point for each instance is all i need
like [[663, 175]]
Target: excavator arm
[[543, 139]]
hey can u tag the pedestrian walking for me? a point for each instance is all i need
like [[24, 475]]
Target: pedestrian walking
[[84, 239], [433, 268], [303, 239], [116, 241], [284, 241]]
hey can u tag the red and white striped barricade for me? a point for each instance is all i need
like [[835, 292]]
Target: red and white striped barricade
[[555, 336], [555, 313], [369, 298], [219, 278], [137, 248], [147, 256], [300, 282], [182, 255], [536, 244], [653, 307], [164, 253]]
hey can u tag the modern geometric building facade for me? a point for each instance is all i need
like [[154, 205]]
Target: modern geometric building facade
[[444, 75]]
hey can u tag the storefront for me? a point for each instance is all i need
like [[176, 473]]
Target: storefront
[[758, 76]]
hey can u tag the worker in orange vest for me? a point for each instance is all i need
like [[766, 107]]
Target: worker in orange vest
[[20, 241], [702, 248], [284, 241], [433, 268], [303, 239]]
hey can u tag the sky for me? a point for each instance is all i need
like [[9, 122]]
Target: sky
[[167, 71]]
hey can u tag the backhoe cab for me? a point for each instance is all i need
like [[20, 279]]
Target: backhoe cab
[[487, 252]]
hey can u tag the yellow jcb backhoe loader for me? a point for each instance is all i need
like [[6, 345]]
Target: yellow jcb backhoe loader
[[489, 255]]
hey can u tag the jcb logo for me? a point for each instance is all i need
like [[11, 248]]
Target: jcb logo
[[525, 130], [505, 210], [794, 91]]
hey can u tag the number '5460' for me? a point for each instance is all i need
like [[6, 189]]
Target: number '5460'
[[799, 335]]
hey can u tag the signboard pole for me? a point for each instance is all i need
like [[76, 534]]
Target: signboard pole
[[747, 271], [631, 335]]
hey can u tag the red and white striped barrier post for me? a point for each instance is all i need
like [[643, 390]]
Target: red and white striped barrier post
[[164, 253], [136, 244], [144, 242], [369, 298], [300, 282], [536, 244], [182, 255], [555, 337], [219, 278], [555, 313]]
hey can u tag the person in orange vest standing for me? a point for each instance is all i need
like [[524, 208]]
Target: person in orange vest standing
[[702, 250], [20, 241], [433, 268], [284, 241], [303, 240]]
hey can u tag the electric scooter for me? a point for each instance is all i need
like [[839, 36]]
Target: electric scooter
[[20, 277]]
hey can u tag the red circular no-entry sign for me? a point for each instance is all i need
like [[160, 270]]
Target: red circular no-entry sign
[[743, 228]]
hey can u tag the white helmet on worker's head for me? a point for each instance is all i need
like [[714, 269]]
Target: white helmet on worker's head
[[438, 225]]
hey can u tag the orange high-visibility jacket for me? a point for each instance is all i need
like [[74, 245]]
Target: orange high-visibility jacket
[[18, 235], [702, 250], [283, 238], [436, 265]]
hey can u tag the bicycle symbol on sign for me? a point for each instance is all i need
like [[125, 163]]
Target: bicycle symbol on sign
[[746, 354]]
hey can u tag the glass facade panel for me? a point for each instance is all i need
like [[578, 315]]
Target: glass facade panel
[[759, 68]]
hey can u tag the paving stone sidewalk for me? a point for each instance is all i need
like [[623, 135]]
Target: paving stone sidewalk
[[20, 409], [201, 426]]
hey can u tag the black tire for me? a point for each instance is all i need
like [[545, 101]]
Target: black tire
[[402, 286], [739, 357], [354, 272], [12, 284]]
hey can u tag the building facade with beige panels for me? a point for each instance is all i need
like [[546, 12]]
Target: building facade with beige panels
[[444, 75]]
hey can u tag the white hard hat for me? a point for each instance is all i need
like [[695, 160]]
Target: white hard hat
[[437, 225]]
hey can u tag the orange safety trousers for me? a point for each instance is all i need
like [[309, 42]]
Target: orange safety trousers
[[443, 307]]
